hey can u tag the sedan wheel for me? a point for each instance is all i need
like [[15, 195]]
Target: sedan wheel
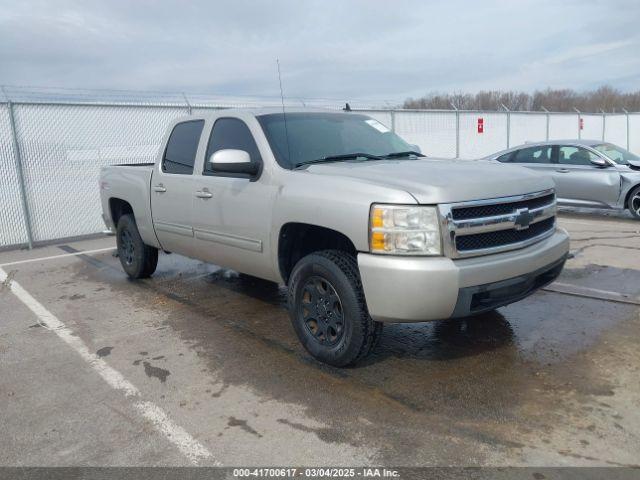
[[634, 203]]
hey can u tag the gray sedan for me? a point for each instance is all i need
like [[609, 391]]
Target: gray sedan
[[587, 173]]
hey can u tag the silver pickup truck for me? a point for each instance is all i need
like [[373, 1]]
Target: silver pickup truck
[[361, 227]]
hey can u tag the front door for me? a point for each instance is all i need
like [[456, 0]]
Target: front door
[[232, 211], [581, 182], [171, 189]]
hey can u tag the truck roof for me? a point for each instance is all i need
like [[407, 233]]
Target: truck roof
[[257, 111]]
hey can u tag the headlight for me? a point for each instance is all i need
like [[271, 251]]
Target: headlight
[[404, 230]]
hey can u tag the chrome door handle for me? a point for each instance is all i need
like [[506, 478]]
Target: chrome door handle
[[204, 193], [563, 170], [159, 188]]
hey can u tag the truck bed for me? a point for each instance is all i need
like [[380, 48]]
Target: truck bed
[[130, 183]]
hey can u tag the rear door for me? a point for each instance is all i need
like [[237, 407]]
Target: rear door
[[172, 186], [579, 181], [536, 158]]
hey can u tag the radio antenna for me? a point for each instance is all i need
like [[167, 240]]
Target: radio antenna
[[284, 115]]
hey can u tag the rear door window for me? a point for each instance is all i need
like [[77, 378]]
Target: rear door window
[[180, 154], [533, 155]]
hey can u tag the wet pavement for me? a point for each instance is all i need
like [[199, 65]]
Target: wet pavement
[[551, 380]]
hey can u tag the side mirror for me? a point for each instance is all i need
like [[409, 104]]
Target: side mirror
[[233, 161], [599, 162]]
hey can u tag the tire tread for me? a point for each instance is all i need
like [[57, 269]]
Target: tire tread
[[149, 255], [372, 330]]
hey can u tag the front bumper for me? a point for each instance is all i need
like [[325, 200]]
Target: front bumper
[[417, 289]]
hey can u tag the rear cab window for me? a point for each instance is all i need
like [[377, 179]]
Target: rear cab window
[[182, 146]]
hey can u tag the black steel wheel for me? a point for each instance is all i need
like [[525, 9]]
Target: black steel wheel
[[137, 259], [320, 310], [328, 310], [128, 247]]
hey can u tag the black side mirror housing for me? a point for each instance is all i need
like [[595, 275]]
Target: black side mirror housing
[[245, 168]]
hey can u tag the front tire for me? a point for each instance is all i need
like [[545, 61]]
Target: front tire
[[328, 309], [137, 259], [634, 203]]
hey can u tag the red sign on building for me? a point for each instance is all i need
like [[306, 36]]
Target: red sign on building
[[480, 125]]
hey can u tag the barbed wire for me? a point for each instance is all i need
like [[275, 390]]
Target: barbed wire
[[161, 98], [40, 94]]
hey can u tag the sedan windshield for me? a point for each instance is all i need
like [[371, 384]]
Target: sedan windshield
[[617, 154], [314, 137]]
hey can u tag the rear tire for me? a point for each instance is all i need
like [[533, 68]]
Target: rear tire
[[328, 309], [137, 259], [634, 203]]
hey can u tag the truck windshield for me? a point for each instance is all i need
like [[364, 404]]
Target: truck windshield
[[310, 137], [617, 154]]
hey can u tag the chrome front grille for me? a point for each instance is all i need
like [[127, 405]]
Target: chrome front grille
[[496, 225]]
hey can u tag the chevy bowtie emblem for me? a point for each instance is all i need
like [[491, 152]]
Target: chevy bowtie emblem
[[523, 218]]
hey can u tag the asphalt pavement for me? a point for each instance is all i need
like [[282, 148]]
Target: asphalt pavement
[[200, 366]]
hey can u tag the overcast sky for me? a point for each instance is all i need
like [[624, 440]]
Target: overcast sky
[[330, 49]]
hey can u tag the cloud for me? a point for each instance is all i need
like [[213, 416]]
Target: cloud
[[336, 49]]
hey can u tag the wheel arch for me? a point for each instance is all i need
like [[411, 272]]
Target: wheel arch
[[119, 207], [297, 239], [630, 191]]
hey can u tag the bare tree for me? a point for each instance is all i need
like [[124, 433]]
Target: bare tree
[[604, 98]]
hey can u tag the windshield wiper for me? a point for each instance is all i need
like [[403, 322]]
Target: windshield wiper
[[408, 153], [337, 158]]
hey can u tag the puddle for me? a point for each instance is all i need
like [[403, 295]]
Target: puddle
[[155, 372], [620, 280], [104, 351]]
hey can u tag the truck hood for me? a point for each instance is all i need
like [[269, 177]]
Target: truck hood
[[433, 181]]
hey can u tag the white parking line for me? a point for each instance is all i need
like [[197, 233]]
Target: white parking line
[[188, 446], [589, 223], [53, 257], [580, 291]]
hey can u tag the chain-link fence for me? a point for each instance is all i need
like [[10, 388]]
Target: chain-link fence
[[51, 152]]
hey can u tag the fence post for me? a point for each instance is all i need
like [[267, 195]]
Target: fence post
[[393, 121], [457, 129], [546, 115], [604, 122], [579, 117], [187, 102], [18, 158], [508, 124], [626, 112]]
